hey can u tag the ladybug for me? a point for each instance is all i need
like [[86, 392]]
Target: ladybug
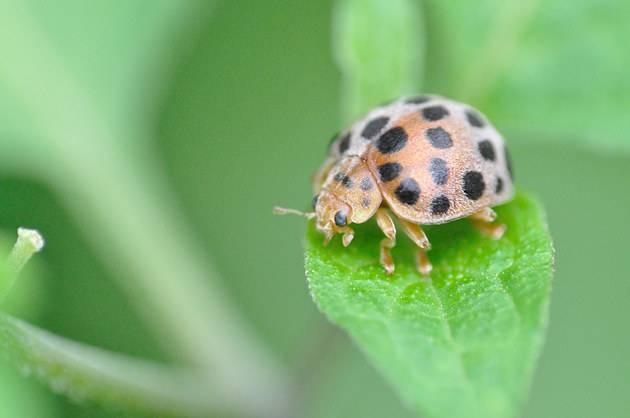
[[425, 160]]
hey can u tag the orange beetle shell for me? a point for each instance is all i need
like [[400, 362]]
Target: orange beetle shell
[[433, 159]]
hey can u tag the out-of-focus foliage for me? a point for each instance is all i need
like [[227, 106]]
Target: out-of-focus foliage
[[120, 383], [554, 71], [112, 51], [243, 120], [21, 398], [588, 306], [120, 198], [377, 65]]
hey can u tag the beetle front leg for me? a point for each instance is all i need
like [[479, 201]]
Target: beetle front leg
[[348, 235], [386, 224]]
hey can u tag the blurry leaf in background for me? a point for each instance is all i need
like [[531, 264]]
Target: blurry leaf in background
[[22, 398], [115, 49], [584, 369], [471, 332], [112, 50], [245, 120], [347, 386], [379, 48], [71, 133], [554, 70], [119, 197], [67, 289], [109, 49]]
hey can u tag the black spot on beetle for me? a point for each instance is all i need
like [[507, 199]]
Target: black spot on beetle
[[392, 140], [434, 113], [343, 179], [408, 191], [344, 143], [365, 202], [474, 185], [474, 119], [440, 205], [439, 171], [366, 184], [374, 126], [439, 138], [389, 171], [486, 149]]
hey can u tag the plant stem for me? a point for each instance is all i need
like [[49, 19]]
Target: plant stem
[[89, 374], [28, 243]]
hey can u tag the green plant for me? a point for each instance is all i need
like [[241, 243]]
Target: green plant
[[529, 101], [462, 343]]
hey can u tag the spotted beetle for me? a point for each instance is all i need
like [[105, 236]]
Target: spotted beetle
[[426, 160]]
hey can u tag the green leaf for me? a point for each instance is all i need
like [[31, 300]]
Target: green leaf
[[462, 343], [555, 70], [377, 65]]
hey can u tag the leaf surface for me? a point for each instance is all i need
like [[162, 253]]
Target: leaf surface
[[462, 343]]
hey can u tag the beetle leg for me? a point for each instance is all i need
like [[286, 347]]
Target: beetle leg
[[384, 221], [486, 214], [482, 221], [417, 235], [348, 235]]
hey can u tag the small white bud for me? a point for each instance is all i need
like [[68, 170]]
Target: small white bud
[[33, 237]]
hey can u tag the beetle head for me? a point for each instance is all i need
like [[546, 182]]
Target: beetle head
[[332, 216]]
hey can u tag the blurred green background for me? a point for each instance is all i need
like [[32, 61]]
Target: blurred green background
[[232, 104]]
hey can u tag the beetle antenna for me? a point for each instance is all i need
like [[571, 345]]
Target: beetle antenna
[[285, 211]]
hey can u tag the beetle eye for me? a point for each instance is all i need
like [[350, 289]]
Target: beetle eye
[[340, 218], [314, 201]]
